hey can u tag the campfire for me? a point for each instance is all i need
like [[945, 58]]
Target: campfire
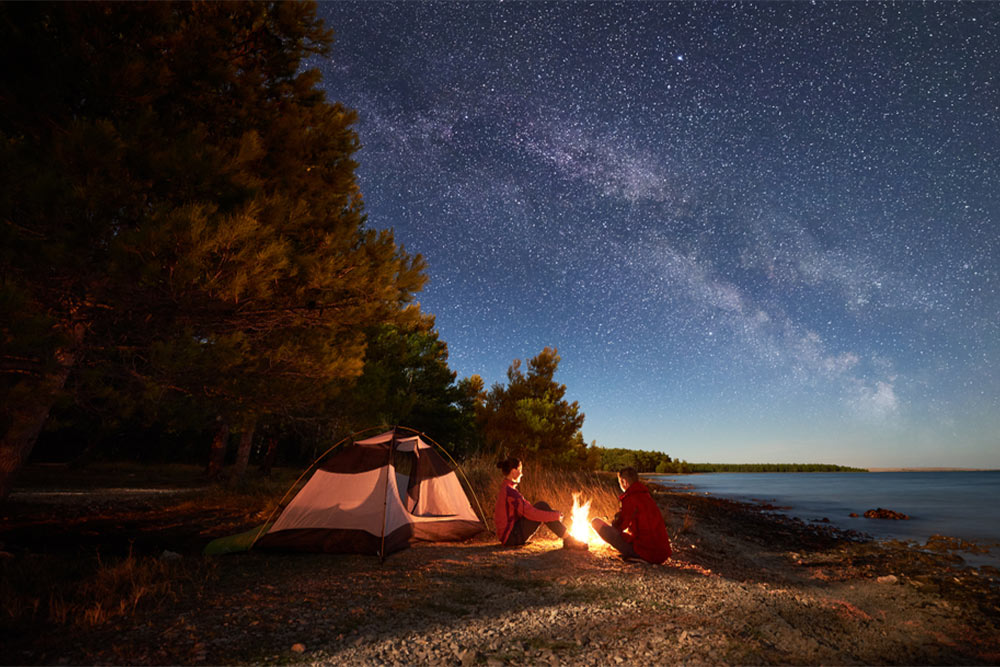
[[580, 531]]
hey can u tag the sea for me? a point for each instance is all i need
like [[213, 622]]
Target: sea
[[961, 504]]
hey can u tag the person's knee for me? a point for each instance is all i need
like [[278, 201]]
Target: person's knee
[[542, 505]]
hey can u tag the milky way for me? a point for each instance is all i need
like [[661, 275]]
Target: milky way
[[754, 232]]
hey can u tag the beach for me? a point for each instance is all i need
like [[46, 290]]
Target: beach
[[744, 586]]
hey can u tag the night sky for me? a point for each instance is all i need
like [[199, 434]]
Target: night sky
[[754, 232]]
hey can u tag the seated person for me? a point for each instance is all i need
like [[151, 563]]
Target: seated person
[[638, 530], [515, 518]]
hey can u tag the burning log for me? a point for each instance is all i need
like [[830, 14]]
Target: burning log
[[579, 534]]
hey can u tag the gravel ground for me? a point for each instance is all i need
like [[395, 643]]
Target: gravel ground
[[745, 586]]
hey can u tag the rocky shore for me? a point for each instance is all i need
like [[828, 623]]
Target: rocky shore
[[745, 586]]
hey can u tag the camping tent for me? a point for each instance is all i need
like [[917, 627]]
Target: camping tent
[[376, 496]]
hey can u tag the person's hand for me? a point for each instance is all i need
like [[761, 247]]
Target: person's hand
[[560, 516]]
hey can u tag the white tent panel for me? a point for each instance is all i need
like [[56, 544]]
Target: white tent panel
[[395, 513], [333, 500], [334, 509], [443, 496], [402, 444]]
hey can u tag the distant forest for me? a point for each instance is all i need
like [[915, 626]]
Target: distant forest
[[615, 459], [770, 467]]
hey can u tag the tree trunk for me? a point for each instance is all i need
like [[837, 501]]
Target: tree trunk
[[217, 458], [270, 456], [30, 414], [243, 453]]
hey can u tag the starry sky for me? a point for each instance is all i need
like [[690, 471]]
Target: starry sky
[[755, 232]]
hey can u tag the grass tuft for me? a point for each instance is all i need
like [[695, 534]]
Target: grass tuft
[[92, 592]]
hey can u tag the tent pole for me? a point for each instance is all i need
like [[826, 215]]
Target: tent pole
[[319, 458], [464, 476], [385, 493]]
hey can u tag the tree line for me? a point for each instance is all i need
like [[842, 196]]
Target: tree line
[[186, 268], [187, 272], [616, 458], [770, 467]]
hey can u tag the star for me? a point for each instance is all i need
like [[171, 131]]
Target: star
[[808, 189]]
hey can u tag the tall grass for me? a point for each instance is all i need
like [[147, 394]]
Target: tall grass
[[90, 592], [555, 486]]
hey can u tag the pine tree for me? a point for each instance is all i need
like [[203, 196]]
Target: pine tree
[[530, 417], [406, 381], [180, 211]]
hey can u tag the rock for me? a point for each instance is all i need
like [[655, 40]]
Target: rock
[[853, 515], [298, 648], [170, 555], [882, 513], [887, 579]]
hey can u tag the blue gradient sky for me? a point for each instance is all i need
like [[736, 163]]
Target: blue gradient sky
[[755, 232]]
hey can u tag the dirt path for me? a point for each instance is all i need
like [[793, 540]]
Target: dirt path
[[744, 587]]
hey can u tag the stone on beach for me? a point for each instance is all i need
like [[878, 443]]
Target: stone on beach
[[882, 513]]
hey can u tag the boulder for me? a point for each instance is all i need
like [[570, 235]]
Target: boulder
[[882, 513]]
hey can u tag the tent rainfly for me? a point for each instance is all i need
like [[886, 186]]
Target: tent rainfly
[[376, 496]]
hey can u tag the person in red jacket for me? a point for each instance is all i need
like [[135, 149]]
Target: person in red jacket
[[516, 519], [638, 530]]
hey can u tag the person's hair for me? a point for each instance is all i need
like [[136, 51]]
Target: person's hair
[[629, 475], [508, 464]]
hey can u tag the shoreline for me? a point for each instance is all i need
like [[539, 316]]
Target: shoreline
[[744, 586], [800, 472], [981, 546], [917, 469]]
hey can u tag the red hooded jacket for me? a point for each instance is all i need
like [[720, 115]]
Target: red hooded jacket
[[642, 524]]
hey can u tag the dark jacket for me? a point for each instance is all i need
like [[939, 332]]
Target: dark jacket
[[642, 524]]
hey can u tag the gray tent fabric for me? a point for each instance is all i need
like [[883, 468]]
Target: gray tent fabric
[[376, 496]]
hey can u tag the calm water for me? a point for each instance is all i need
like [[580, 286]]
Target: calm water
[[957, 504]]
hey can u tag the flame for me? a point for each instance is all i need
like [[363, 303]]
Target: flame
[[579, 527]]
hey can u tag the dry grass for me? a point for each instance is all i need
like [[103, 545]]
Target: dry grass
[[90, 592], [552, 485], [687, 523], [94, 591]]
